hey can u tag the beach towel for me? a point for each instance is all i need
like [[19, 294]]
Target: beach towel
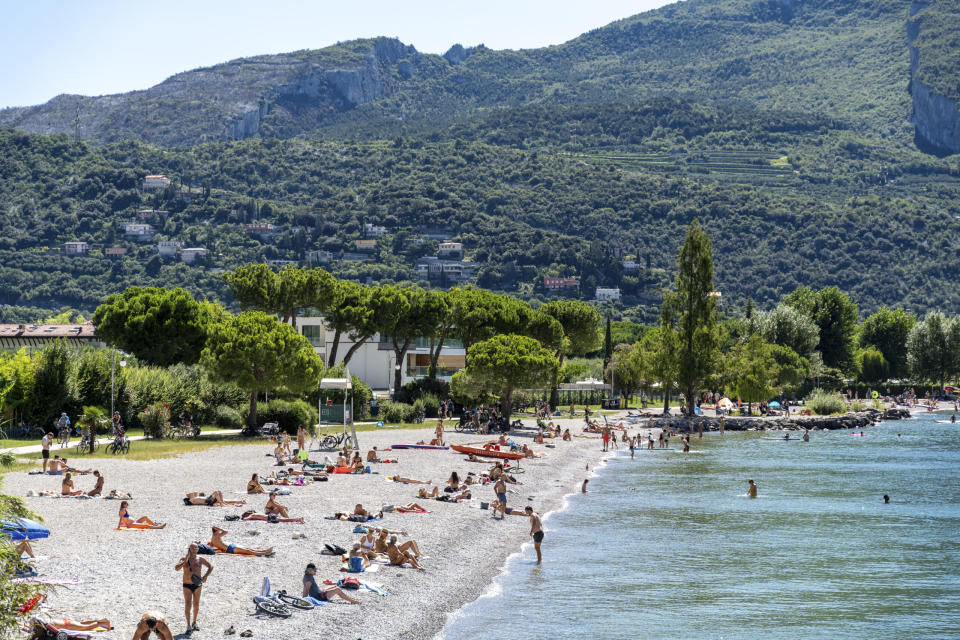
[[315, 602], [134, 527], [411, 510], [375, 587]]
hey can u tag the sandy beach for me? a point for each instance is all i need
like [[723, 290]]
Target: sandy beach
[[125, 573]]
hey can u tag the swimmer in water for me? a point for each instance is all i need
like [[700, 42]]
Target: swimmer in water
[[806, 435], [886, 499], [583, 487], [752, 491]]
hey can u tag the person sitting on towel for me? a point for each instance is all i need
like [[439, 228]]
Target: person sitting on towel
[[311, 590], [216, 541], [399, 557], [254, 485]]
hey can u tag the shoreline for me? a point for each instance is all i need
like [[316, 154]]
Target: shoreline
[[126, 573]]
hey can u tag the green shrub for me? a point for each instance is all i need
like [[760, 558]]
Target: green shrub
[[429, 404], [825, 403], [155, 419], [858, 405], [396, 411], [288, 414], [421, 387], [227, 417]]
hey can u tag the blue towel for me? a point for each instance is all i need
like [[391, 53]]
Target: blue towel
[[314, 601]]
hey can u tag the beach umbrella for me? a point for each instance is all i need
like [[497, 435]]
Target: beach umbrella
[[724, 403], [773, 404], [23, 529]]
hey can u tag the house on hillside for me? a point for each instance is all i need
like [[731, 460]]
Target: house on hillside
[[450, 250], [138, 231], [434, 268], [280, 263], [167, 248], [149, 214], [115, 252], [373, 231], [365, 244], [555, 284], [192, 254], [156, 182], [75, 248], [318, 256], [30, 336], [265, 230], [603, 294]]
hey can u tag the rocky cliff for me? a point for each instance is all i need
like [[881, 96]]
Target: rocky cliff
[[935, 116], [230, 100]]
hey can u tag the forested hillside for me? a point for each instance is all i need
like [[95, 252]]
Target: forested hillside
[[806, 202]]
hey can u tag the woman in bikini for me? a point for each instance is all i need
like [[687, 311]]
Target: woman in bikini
[[66, 624], [216, 541], [192, 566], [253, 515], [254, 485], [215, 499], [67, 489], [126, 522], [275, 508]]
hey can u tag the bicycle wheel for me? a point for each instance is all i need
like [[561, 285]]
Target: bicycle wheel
[[272, 607], [125, 446], [329, 442], [294, 601], [112, 448], [82, 448]]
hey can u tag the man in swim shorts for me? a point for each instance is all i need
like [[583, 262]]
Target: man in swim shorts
[[536, 530], [500, 488]]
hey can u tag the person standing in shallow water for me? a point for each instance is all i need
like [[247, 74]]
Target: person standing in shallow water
[[752, 490]]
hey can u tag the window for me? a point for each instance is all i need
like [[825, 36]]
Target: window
[[314, 334]]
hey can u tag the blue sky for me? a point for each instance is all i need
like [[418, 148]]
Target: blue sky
[[110, 46]]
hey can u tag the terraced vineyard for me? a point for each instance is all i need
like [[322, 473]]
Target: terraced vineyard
[[748, 167]]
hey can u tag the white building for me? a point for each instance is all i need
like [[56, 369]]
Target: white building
[[318, 256], [139, 231], [607, 294], [153, 183], [374, 361], [75, 248], [193, 254], [374, 231], [450, 250], [168, 248], [433, 268]]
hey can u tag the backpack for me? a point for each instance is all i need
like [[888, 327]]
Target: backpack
[[205, 549]]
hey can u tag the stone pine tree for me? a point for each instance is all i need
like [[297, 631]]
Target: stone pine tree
[[258, 353], [695, 307]]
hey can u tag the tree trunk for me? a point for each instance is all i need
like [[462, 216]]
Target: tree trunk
[[332, 358], [691, 403], [666, 399], [252, 417], [352, 350], [435, 354], [399, 352], [554, 392], [506, 404]]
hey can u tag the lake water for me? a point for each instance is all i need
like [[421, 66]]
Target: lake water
[[669, 546]]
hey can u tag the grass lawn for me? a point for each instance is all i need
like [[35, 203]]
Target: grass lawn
[[12, 443]]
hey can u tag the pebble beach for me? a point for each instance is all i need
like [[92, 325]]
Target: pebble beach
[[124, 573]]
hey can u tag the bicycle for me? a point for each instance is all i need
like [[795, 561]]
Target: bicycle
[[120, 445], [63, 437], [84, 445], [332, 441]]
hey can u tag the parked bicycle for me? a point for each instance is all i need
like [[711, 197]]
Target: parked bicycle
[[334, 440], [120, 444], [84, 445]]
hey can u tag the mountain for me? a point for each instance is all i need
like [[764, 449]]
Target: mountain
[[844, 59]]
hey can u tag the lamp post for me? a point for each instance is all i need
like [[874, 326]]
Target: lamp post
[[113, 367]]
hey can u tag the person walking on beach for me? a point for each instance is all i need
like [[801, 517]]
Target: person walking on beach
[[301, 440], [606, 437], [45, 443], [193, 580], [752, 490], [500, 488]]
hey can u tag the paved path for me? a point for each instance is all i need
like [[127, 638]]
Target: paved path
[[36, 448]]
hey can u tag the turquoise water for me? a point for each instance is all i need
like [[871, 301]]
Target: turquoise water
[[669, 546]]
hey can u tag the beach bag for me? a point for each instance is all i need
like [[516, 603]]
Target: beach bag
[[356, 564], [206, 550], [350, 583]]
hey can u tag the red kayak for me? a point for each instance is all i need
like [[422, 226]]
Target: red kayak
[[487, 452]]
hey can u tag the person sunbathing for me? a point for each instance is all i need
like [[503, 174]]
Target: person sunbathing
[[372, 455], [312, 590], [409, 480], [126, 522], [399, 557], [119, 495], [65, 466], [66, 624], [98, 487], [254, 485], [566, 435], [67, 488], [424, 493], [216, 541], [275, 508], [152, 622], [253, 515], [215, 499]]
